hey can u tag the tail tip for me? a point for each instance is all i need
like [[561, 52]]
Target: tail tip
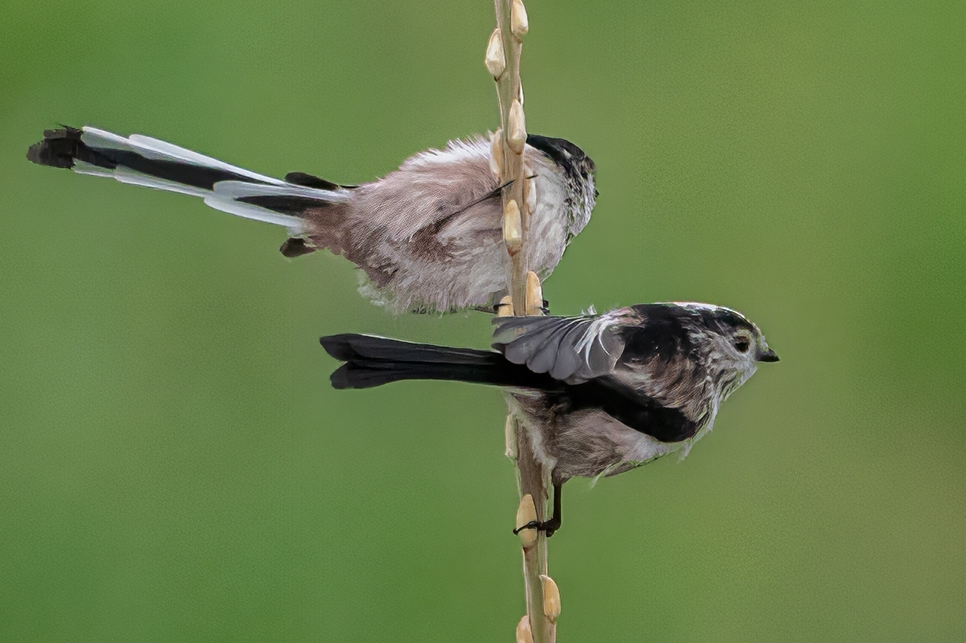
[[36, 153], [340, 378], [58, 149], [338, 346]]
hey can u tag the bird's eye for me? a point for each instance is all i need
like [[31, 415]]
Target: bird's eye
[[742, 344]]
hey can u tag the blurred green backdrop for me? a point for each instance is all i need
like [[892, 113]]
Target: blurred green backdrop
[[175, 467]]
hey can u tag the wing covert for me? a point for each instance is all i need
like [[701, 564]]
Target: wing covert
[[569, 349]]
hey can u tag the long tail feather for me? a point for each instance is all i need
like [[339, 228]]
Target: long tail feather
[[373, 361], [149, 162]]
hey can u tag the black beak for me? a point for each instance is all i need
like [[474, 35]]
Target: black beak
[[768, 356]]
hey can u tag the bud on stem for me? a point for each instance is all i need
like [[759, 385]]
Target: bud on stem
[[524, 634], [534, 294], [551, 598], [512, 228], [495, 59], [517, 128], [526, 512], [519, 24]]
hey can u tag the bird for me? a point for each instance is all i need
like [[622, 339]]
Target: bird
[[600, 394], [427, 236]]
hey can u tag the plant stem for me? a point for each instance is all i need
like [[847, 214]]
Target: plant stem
[[503, 62]]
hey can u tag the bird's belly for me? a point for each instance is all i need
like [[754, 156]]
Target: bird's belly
[[591, 443]]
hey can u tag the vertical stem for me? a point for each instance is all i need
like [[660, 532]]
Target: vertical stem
[[508, 89], [535, 481], [503, 62]]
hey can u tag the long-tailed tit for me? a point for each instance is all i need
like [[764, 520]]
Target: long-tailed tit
[[600, 394], [428, 236]]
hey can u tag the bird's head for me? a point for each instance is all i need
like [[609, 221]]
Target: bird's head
[[578, 171], [730, 346]]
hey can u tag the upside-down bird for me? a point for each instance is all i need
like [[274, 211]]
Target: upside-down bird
[[428, 236]]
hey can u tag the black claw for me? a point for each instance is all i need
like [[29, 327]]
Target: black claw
[[549, 526], [533, 524]]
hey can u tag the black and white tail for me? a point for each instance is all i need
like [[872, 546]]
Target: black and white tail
[[141, 160], [374, 361]]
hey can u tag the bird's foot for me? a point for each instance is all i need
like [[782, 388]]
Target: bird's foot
[[546, 526]]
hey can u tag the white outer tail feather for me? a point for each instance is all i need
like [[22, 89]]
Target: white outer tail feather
[[153, 148], [225, 194]]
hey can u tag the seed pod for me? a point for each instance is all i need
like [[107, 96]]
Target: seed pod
[[506, 307], [519, 24], [551, 598], [495, 59], [496, 154], [509, 430], [524, 634], [534, 294], [526, 513], [512, 228], [517, 127]]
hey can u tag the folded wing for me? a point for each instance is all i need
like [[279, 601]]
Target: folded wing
[[569, 349]]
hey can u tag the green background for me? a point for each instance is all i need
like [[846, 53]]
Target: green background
[[175, 467]]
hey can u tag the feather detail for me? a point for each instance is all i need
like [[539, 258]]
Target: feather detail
[[570, 349], [152, 163]]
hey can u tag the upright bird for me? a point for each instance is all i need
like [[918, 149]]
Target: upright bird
[[600, 394], [428, 235]]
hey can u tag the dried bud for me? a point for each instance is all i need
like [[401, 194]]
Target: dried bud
[[551, 598], [505, 308], [516, 128], [510, 431], [519, 24], [524, 634], [512, 228], [534, 294], [496, 154], [495, 60], [527, 512]]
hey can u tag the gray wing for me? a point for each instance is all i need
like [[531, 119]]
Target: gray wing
[[570, 349]]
